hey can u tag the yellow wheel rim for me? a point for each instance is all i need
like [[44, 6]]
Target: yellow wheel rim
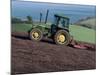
[[61, 39], [35, 35]]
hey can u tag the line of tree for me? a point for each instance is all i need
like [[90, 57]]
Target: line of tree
[[18, 20]]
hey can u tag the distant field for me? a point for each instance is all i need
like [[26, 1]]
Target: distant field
[[78, 32], [89, 23]]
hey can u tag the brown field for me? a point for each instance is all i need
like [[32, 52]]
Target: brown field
[[45, 56]]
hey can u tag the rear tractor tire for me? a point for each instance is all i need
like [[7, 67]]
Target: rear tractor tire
[[36, 34], [62, 37]]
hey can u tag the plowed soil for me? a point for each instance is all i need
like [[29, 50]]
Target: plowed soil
[[45, 56]]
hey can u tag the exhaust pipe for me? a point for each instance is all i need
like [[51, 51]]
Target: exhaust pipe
[[40, 17], [46, 16]]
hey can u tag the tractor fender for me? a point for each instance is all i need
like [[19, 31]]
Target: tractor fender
[[37, 27]]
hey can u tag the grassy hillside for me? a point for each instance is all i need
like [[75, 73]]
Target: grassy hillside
[[78, 32], [83, 34], [21, 27], [88, 22]]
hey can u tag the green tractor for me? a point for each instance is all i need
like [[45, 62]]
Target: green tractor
[[58, 31]]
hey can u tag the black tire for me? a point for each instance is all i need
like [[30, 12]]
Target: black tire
[[65, 35], [34, 38]]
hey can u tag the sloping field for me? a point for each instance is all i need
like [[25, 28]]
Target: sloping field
[[89, 23], [83, 34], [45, 56]]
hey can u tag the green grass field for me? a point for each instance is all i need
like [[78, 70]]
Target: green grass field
[[21, 27], [83, 34], [78, 32]]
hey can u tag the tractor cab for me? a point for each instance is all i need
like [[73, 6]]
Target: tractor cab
[[61, 21]]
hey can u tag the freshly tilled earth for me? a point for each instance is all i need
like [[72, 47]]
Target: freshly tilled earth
[[45, 56]]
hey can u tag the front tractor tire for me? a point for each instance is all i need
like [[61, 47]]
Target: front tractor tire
[[36, 34], [62, 37]]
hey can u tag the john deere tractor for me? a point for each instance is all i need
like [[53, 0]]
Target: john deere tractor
[[58, 31]]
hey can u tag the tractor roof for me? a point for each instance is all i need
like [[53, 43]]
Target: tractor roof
[[62, 16]]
